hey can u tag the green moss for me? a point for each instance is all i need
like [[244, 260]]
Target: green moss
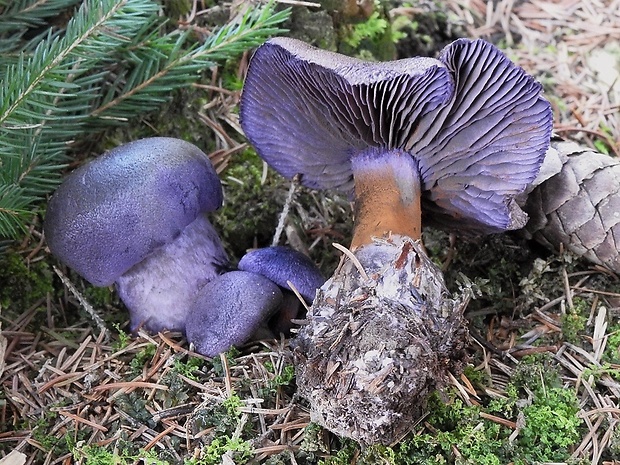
[[178, 118], [222, 416], [141, 358], [212, 455], [548, 410], [371, 29], [250, 212], [123, 339], [602, 144], [344, 456], [574, 321], [23, 284], [177, 392], [612, 349], [476, 377], [134, 405], [284, 378], [551, 426], [232, 405], [100, 297], [189, 367], [313, 445], [597, 372], [218, 368], [372, 39], [101, 455]]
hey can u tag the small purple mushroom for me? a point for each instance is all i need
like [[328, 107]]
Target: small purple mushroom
[[459, 138], [135, 216], [229, 309], [282, 264]]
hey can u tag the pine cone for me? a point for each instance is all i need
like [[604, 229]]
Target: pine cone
[[575, 201]]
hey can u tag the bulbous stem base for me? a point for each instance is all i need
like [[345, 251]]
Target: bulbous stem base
[[378, 340]]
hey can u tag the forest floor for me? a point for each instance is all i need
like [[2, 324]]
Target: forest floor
[[544, 371]]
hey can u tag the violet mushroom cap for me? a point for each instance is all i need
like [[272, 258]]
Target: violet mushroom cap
[[228, 310], [135, 216], [472, 122], [282, 264]]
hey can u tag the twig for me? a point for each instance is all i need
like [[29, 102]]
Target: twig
[[298, 295], [84, 303], [353, 258], [285, 210]]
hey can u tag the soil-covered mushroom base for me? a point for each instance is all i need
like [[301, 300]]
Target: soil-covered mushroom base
[[381, 335]]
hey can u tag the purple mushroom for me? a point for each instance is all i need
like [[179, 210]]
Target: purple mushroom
[[232, 307], [136, 217], [228, 310], [284, 265], [458, 138]]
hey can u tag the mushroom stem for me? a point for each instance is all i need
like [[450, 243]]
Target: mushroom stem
[[160, 289], [387, 195]]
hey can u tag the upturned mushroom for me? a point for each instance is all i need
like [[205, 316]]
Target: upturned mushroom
[[456, 138], [136, 217]]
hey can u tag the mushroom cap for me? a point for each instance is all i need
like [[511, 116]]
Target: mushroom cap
[[475, 123], [228, 310], [112, 212], [308, 111], [281, 264]]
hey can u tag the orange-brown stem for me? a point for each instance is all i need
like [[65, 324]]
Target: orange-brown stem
[[387, 196]]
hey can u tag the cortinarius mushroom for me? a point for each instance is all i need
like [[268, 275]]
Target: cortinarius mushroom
[[457, 137], [228, 310], [135, 216], [283, 265]]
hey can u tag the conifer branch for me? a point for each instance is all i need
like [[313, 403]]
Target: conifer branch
[[111, 55]]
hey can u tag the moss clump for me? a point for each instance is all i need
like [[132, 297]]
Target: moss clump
[[251, 206], [371, 38], [546, 409], [141, 358], [612, 349], [102, 455], [23, 284], [222, 416], [574, 321], [239, 450]]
